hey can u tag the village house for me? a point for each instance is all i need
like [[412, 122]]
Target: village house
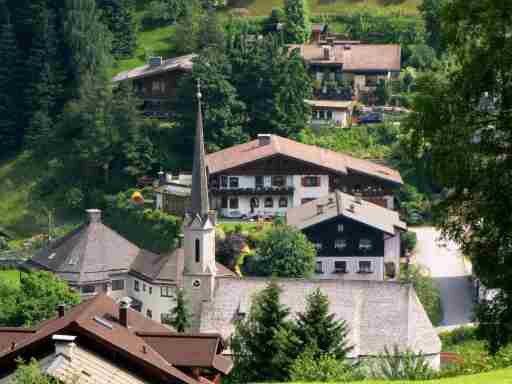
[[379, 314], [155, 83], [271, 174], [345, 70], [173, 193], [335, 112], [99, 341], [355, 239]]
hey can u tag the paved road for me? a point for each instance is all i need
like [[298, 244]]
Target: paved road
[[447, 267]]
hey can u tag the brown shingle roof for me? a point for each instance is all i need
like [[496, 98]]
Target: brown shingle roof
[[359, 57], [337, 162], [83, 320], [342, 204]]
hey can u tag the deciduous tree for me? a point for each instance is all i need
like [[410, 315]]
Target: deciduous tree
[[297, 24]]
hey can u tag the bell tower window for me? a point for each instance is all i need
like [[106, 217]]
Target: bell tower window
[[198, 254]]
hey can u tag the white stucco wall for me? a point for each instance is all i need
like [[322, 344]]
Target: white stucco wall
[[340, 118], [301, 192], [352, 268], [392, 251]]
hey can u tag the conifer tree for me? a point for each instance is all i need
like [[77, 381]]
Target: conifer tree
[[297, 25], [8, 112], [118, 15], [318, 328], [262, 343], [180, 314]]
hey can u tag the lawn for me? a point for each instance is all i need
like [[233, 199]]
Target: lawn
[[503, 376], [11, 276], [263, 7]]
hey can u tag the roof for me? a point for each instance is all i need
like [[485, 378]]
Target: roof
[[200, 350], [330, 104], [181, 63], [97, 319], [336, 162], [358, 57], [379, 314], [169, 267], [89, 254], [342, 204]]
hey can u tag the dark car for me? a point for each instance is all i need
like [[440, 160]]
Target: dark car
[[371, 118]]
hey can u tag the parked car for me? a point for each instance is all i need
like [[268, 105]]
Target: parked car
[[371, 118]]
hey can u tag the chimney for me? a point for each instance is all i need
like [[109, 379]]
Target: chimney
[[123, 312], [264, 139], [61, 310], [155, 61], [320, 209], [94, 215], [64, 345]]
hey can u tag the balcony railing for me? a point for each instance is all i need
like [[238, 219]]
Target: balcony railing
[[253, 191]]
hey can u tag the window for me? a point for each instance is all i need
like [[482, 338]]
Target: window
[[306, 200], [340, 244], [149, 314], [136, 286], [88, 289], [255, 202], [166, 291], [329, 115], [224, 202], [341, 228], [150, 290], [311, 181], [224, 181], [269, 202], [283, 202], [198, 251], [318, 246], [278, 181], [233, 203], [322, 115], [365, 244], [318, 267], [340, 267], [365, 267], [233, 182], [258, 182], [165, 318], [143, 287], [117, 285]]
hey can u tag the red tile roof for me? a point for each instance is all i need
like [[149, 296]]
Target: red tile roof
[[97, 319], [336, 162]]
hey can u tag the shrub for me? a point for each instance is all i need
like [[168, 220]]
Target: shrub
[[458, 336], [405, 365], [309, 367], [409, 241], [428, 293]]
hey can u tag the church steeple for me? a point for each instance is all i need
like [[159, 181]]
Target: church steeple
[[200, 204]]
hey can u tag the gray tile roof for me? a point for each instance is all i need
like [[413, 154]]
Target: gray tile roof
[[342, 204], [88, 254], [379, 314], [181, 63]]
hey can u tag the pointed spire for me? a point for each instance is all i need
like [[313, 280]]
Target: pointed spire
[[200, 203]]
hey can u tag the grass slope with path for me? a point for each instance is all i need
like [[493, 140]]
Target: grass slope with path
[[503, 376]]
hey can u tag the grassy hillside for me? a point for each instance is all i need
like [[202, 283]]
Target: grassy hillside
[[263, 7], [503, 376]]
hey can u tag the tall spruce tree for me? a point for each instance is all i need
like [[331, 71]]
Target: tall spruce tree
[[319, 329], [262, 344], [180, 318], [8, 111], [297, 26]]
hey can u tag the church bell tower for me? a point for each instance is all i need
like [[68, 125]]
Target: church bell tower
[[199, 230]]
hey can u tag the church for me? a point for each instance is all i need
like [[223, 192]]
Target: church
[[95, 259]]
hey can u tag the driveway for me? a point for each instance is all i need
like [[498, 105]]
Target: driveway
[[447, 267]]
